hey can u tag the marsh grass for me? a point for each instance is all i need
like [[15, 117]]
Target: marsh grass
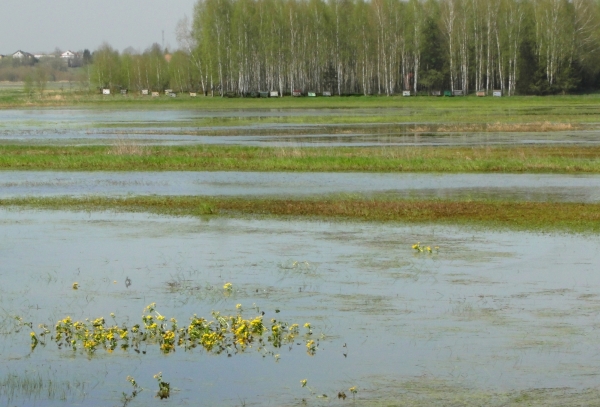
[[482, 159], [198, 128], [427, 391], [32, 385], [536, 216], [479, 112], [542, 127], [127, 147]]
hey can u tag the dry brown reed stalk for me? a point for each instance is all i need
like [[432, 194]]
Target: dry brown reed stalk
[[128, 147], [285, 152], [531, 127], [503, 127], [421, 129]]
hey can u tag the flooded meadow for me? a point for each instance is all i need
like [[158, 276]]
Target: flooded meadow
[[260, 127], [483, 313], [522, 187], [102, 308]]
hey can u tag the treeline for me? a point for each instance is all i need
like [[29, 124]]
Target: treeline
[[54, 69], [372, 47], [153, 69]]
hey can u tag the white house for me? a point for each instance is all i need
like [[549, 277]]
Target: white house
[[68, 54], [22, 54]]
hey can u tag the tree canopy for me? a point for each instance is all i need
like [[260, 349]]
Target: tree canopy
[[371, 47]]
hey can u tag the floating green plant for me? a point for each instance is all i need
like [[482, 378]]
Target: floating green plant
[[226, 333]]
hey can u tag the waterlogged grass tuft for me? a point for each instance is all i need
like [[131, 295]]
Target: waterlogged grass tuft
[[34, 385]]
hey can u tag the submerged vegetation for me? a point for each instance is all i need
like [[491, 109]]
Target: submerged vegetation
[[535, 216], [534, 159], [37, 386]]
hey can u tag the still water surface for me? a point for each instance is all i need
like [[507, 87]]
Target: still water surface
[[501, 311], [180, 127], [527, 187]]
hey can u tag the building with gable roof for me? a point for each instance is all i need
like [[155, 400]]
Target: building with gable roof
[[22, 54]]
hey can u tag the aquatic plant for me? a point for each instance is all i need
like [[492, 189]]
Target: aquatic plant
[[227, 289], [127, 398], [37, 384], [164, 388], [225, 333], [424, 249]]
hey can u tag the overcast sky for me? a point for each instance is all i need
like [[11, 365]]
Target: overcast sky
[[43, 25]]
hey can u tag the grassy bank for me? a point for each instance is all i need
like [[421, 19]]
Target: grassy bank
[[570, 217], [125, 157], [471, 109]]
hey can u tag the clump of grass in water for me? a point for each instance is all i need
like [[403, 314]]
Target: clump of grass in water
[[127, 398], [33, 385], [226, 333], [341, 394], [128, 147], [164, 388]]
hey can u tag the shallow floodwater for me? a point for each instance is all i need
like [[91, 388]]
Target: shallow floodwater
[[178, 127], [524, 187], [494, 311]]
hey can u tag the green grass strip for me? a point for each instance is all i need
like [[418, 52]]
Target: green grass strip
[[530, 159], [470, 109], [532, 216]]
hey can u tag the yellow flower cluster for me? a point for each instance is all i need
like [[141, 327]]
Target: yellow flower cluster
[[311, 347], [417, 246], [90, 334], [223, 334]]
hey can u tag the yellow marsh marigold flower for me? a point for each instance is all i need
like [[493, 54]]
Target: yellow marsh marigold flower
[[303, 383]]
